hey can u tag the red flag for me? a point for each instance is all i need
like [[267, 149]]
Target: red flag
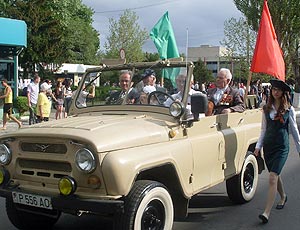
[[268, 57]]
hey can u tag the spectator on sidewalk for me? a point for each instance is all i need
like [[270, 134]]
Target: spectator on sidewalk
[[59, 95], [32, 96], [84, 94], [67, 96], [43, 104], [8, 105]]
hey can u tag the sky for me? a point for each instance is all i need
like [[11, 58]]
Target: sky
[[194, 22]]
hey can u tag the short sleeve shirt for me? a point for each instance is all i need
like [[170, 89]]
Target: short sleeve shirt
[[33, 89], [44, 102]]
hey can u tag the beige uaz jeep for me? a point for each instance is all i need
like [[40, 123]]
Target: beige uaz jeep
[[139, 160]]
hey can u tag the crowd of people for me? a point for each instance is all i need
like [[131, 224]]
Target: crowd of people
[[43, 97]]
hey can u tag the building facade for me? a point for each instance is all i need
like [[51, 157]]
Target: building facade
[[214, 57]]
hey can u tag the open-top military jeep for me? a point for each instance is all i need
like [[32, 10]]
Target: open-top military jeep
[[140, 162]]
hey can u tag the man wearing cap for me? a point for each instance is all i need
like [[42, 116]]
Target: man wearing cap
[[149, 79], [125, 84], [224, 99]]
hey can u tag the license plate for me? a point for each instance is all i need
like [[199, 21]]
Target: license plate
[[32, 200]]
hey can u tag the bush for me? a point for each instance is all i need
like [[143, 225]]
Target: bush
[[21, 103], [103, 92]]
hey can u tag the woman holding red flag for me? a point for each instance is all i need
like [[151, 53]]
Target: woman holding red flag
[[278, 116]]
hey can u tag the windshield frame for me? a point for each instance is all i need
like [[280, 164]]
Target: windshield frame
[[131, 107]]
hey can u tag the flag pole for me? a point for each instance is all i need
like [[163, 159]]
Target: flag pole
[[186, 46], [248, 85]]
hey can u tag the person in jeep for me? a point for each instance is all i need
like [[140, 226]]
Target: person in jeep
[[126, 85], [224, 99]]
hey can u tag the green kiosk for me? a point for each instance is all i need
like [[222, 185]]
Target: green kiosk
[[13, 39]]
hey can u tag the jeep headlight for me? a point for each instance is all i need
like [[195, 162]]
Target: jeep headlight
[[176, 109], [5, 155], [85, 160]]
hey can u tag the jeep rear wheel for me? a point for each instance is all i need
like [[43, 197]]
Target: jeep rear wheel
[[241, 188], [27, 218], [147, 206]]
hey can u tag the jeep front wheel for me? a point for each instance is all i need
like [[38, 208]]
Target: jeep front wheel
[[147, 206], [241, 188]]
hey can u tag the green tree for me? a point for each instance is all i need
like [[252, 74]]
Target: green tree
[[81, 40], [127, 34], [58, 31], [150, 57], [201, 73], [240, 39], [286, 20]]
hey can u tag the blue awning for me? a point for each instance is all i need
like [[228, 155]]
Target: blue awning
[[13, 33]]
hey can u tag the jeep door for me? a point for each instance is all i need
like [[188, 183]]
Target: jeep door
[[208, 151], [233, 130]]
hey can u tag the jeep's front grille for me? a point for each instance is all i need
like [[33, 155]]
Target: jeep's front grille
[[43, 174], [44, 168], [46, 165], [43, 148]]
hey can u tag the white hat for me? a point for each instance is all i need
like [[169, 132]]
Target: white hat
[[45, 86]]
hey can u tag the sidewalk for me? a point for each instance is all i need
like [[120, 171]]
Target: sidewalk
[[12, 126]]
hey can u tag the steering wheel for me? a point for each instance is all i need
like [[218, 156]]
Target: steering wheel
[[159, 96]]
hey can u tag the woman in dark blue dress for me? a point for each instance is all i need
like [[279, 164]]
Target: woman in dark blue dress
[[278, 116]]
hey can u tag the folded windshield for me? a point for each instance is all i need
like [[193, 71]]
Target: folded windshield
[[135, 86]]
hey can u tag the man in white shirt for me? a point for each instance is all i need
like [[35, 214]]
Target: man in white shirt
[[32, 96], [83, 95]]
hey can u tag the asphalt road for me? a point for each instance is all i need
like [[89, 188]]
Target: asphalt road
[[212, 209]]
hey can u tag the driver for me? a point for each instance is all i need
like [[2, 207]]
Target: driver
[[125, 84]]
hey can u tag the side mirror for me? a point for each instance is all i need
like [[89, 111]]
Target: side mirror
[[199, 104]]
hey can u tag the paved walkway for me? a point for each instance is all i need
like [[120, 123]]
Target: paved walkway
[[12, 126]]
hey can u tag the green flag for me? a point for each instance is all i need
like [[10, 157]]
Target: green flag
[[163, 37]]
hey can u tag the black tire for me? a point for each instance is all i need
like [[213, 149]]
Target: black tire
[[242, 187], [30, 220], [147, 206]]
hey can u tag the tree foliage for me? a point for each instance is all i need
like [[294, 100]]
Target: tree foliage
[[127, 34], [151, 57], [201, 73], [239, 38], [286, 20], [58, 31]]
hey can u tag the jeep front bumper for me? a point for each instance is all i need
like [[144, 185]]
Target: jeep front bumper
[[73, 204]]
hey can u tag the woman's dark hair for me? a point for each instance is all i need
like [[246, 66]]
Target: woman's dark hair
[[284, 103]]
